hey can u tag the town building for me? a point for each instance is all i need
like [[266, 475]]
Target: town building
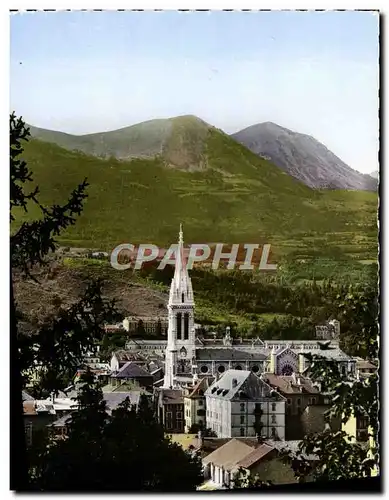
[[330, 330], [154, 325], [241, 404], [169, 408], [132, 372], [364, 368], [251, 458], [188, 356], [195, 404]]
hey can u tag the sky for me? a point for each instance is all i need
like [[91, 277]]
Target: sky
[[313, 72]]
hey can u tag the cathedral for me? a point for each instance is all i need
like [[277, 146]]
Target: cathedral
[[188, 357]]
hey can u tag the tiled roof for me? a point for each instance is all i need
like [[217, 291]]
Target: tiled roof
[[123, 355], [132, 370], [228, 455], [202, 385], [289, 384], [172, 396], [256, 455], [242, 384], [363, 364]]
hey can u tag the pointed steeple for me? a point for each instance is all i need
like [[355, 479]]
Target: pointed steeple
[[181, 288]]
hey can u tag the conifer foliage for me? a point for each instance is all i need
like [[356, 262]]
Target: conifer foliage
[[122, 450]]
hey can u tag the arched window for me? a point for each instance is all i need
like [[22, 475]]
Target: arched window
[[242, 431], [255, 368], [287, 370], [186, 326], [182, 298], [238, 367], [178, 326]]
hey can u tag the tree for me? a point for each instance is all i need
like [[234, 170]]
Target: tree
[[243, 479], [336, 455], [124, 451], [60, 342]]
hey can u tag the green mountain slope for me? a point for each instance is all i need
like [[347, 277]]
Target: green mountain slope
[[179, 141], [217, 188]]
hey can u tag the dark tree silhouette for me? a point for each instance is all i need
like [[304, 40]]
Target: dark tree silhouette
[[59, 344], [125, 451]]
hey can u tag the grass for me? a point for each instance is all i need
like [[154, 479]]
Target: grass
[[183, 440]]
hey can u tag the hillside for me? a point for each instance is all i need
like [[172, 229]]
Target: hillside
[[218, 189], [375, 174], [177, 141], [303, 157]]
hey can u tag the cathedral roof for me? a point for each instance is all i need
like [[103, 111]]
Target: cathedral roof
[[221, 354]]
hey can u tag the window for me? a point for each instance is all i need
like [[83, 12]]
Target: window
[[258, 407], [273, 407], [186, 326], [242, 419], [201, 413], [273, 419], [298, 401], [182, 298], [273, 432], [179, 415], [242, 431], [238, 367], [178, 325], [242, 405], [169, 415], [289, 401], [221, 369], [204, 369], [255, 369], [201, 402]]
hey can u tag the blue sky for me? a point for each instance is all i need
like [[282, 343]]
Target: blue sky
[[316, 73]]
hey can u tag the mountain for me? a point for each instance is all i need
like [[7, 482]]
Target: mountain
[[375, 174], [178, 141], [303, 157], [188, 171]]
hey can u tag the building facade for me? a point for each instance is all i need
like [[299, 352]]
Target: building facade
[[240, 404]]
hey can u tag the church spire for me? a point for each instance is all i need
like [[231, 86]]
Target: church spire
[[181, 287]]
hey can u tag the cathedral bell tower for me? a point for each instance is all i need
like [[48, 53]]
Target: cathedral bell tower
[[180, 350]]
